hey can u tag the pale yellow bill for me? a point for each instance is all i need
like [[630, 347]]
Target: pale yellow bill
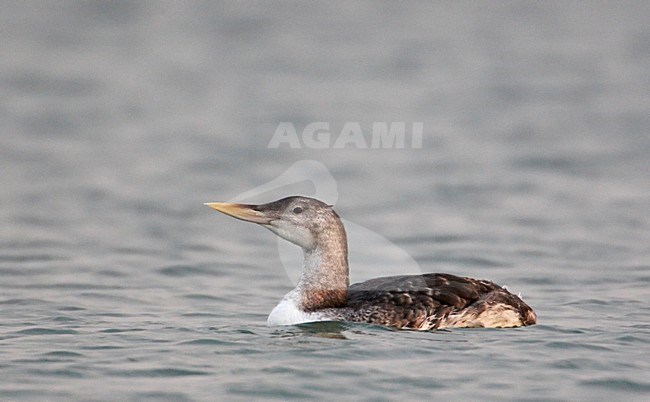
[[244, 212]]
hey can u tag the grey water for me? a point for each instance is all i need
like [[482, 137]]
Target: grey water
[[119, 119]]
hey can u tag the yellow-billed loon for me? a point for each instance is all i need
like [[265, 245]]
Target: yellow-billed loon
[[323, 293]]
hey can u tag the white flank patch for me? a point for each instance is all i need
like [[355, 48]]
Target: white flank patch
[[288, 313]]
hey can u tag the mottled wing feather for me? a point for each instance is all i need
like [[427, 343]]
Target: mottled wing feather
[[421, 301]]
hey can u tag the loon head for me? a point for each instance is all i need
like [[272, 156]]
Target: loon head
[[306, 222]]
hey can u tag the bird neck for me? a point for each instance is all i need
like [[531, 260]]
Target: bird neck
[[325, 277]]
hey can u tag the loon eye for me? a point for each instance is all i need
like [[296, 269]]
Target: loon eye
[[297, 210]]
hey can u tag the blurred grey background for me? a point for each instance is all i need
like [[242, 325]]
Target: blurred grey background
[[113, 105]]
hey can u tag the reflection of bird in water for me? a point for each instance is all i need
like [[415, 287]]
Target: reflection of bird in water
[[323, 293]]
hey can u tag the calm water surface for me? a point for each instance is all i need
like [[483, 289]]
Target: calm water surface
[[119, 119]]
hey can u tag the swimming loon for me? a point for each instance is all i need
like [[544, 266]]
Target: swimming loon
[[419, 302]]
